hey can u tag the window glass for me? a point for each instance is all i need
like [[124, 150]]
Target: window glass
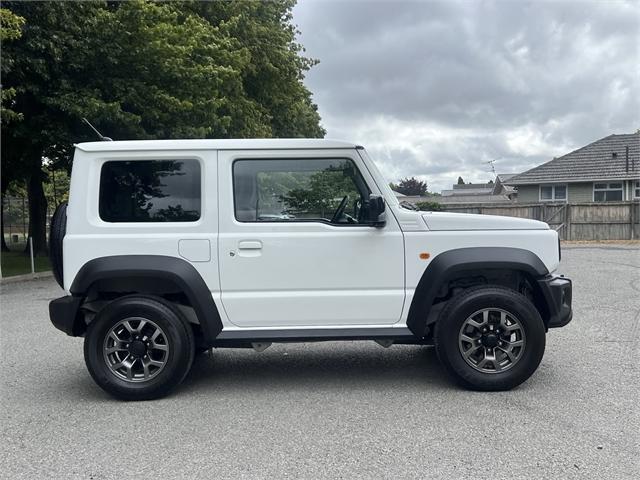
[[614, 195], [150, 191], [560, 192], [607, 192], [546, 193], [636, 191], [293, 190]]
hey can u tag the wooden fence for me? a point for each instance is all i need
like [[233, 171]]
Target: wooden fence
[[573, 221]]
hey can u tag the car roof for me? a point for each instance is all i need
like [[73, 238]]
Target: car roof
[[221, 144]]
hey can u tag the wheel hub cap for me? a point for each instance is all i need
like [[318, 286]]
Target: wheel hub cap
[[137, 348], [489, 341], [492, 340]]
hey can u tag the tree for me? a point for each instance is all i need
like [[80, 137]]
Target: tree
[[10, 29], [142, 70], [411, 186], [460, 181]]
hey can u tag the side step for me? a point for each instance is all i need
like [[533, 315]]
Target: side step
[[259, 338]]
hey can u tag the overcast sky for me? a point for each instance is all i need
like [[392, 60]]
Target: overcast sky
[[437, 89]]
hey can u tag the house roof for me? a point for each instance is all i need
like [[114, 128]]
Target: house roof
[[503, 177], [467, 192], [592, 162], [467, 199]]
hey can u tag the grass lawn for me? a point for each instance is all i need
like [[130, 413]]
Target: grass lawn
[[17, 263]]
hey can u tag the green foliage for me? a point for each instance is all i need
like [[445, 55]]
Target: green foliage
[[144, 70], [460, 181], [411, 186], [159, 70], [10, 29], [429, 206], [322, 194]]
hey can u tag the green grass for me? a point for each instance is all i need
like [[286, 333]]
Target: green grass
[[17, 263]]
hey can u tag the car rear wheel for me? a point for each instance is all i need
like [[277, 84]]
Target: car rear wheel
[[490, 338], [139, 348]]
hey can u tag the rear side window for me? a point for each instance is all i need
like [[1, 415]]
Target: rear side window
[[150, 191]]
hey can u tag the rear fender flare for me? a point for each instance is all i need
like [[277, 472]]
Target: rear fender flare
[[144, 270]]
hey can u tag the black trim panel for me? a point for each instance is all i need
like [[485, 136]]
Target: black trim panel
[[452, 262], [63, 313], [316, 334], [148, 269], [557, 292]]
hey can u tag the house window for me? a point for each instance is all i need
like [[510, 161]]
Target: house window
[[551, 193], [636, 189], [607, 192]]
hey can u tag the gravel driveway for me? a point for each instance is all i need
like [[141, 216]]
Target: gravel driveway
[[338, 409]]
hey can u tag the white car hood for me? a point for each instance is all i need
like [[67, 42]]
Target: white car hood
[[466, 221]]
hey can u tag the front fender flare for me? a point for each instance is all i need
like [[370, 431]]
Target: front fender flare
[[447, 265]]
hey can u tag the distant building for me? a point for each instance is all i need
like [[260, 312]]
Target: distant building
[[493, 192], [607, 170]]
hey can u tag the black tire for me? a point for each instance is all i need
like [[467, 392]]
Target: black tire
[[56, 235], [452, 318], [179, 337]]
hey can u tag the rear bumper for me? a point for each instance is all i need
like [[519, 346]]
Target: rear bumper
[[63, 313], [557, 291]]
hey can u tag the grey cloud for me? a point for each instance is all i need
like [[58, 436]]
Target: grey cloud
[[568, 71]]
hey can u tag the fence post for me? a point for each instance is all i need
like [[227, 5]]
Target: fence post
[[33, 269], [632, 221], [567, 221]]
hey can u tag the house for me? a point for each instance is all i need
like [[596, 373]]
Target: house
[[492, 192], [607, 170]]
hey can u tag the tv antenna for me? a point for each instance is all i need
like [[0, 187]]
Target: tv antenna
[[493, 168], [102, 137]]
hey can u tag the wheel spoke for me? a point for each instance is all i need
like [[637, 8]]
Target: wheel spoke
[[508, 353], [472, 350], [145, 368], [467, 338], [159, 346], [141, 325], [155, 363], [118, 347]]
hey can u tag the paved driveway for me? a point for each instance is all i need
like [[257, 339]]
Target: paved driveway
[[335, 410]]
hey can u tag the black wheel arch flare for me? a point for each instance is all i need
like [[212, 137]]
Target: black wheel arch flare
[[451, 263], [145, 270]]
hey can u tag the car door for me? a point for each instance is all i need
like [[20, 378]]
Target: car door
[[286, 259]]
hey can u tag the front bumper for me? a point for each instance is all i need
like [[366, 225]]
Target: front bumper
[[63, 313], [557, 295]]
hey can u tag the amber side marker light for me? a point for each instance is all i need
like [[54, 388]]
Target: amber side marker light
[[424, 256]]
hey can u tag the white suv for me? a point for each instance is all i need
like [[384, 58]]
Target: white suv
[[168, 248]]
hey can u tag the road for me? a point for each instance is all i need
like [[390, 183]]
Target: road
[[338, 409]]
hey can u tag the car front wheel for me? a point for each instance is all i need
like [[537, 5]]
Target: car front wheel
[[490, 338]]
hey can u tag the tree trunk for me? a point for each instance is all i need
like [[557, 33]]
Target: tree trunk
[[5, 248], [37, 210]]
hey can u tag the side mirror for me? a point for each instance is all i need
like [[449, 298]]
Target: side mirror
[[375, 209]]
